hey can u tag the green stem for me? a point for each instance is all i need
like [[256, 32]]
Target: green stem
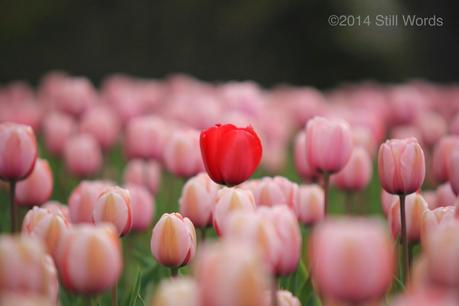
[[404, 241], [115, 295], [174, 272], [13, 207], [348, 203], [203, 234]]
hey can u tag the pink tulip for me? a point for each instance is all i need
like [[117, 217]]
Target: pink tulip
[[328, 144], [83, 156], [229, 200], [275, 191], [21, 299], [182, 154], [357, 173], [18, 151], [454, 125], [342, 253], [454, 171], [36, 189], [27, 112], [143, 207], [57, 129], [310, 204], [427, 297], [176, 291], [83, 199], [25, 268], [58, 208], [387, 200], [441, 156], [173, 241], [289, 235], [73, 95], [442, 250], [364, 138], [430, 197], [219, 270], [144, 173], [304, 169], [90, 258], [197, 200], [256, 229], [444, 195], [284, 298], [401, 166], [45, 225], [432, 127], [145, 138], [415, 206], [102, 123], [114, 206], [431, 219]]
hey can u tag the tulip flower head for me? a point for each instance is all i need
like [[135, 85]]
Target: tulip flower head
[[309, 206], [143, 207], [36, 189], [18, 151], [173, 241], [176, 291], [230, 154], [145, 173], [114, 206], [83, 199]]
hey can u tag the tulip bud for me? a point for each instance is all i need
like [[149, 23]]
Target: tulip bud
[[310, 204], [45, 225], [145, 173], [173, 241], [289, 235], [284, 298], [342, 250], [432, 127], [401, 166], [83, 199], [18, 151], [230, 154], [103, 124], [431, 219], [454, 171], [56, 207], [444, 195], [222, 266], [269, 192], [57, 128], [143, 207], [363, 137], [229, 200], [441, 157], [74, 95], [145, 138], [89, 258], [197, 200], [415, 206], [181, 154], [26, 268], [387, 200], [304, 169], [328, 144], [114, 206], [442, 250], [82, 155], [176, 291], [357, 173], [36, 189]]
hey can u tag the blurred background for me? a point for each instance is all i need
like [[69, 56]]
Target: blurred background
[[269, 41]]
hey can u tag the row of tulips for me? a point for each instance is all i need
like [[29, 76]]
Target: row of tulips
[[169, 124]]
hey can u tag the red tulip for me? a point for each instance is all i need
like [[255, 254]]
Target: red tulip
[[230, 154]]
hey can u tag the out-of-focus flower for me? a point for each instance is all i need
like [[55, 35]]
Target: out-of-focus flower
[[441, 156], [431, 219], [352, 260], [328, 144], [57, 129], [181, 153], [36, 189], [145, 138], [26, 268], [444, 194], [83, 156], [59, 208], [284, 298], [144, 173], [387, 200], [83, 199], [103, 124], [304, 169], [18, 151], [230, 154], [143, 207], [309, 206], [357, 173], [176, 291], [114, 206], [219, 269], [197, 200], [89, 258], [415, 206], [432, 127], [453, 163], [173, 241]]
